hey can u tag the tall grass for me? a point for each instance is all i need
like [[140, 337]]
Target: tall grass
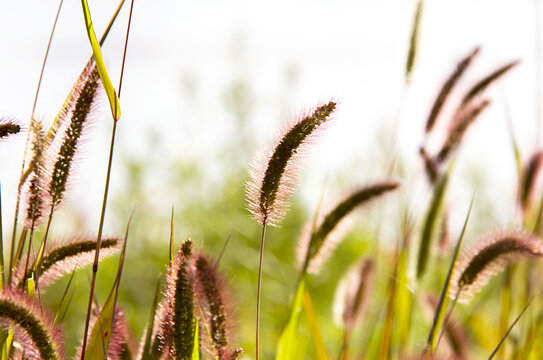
[[415, 300]]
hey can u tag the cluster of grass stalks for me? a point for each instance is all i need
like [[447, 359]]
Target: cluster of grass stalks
[[425, 298]]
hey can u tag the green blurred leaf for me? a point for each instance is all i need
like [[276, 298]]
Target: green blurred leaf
[[102, 329], [106, 82], [442, 305], [430, 223], [286, 348], [320, 348], [196, 348]]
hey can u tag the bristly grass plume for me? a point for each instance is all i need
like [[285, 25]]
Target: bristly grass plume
[[8, 127], [488, 257], [274, 174], [317, 243]]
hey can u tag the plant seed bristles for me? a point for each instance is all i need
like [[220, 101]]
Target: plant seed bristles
[[357, 293], [34, 328], [84, 95], [317, 244], [213, 297], [69, 103], [481, 85], [530, 177], [461, 123], [447, 88], [489, 257], [8, 127], [175, 320], [61, 260], [269, 189], [35, 192]]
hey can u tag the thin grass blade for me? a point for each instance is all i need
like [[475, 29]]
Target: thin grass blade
[[146, 355], [430, 223], [196, 348], [320, 348], [101, 332], [441, 307], [510, 328], [286, 348], [108, 86]]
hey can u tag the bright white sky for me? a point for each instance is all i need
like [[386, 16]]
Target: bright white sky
[[352, 51]]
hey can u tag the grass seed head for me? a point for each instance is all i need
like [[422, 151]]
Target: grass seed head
[[35, 192], [357, 293], [460, 125], [529, 181], [482, 84], [33, 326], [489, 257], [85, 95], [270, 188], [60, 260], [317, 244], [8, 127], [447, 88], [213, 296]]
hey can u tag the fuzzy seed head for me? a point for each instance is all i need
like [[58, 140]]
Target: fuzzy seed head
[[529, 182], [60, 260], [35, 192], [447, 88], [462, 121], [482, 84], [489, 257], [213, 297], [270, 188], [85, 95], [32, 325], [175, 320], [8, 127], [317, 244], [357, 293]]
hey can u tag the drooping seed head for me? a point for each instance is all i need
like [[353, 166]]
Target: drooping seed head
[[32, 325], [60, 260], [460, 124], [317, 244], [8, 127], [489, 257], [270, 188], [479, 87], [447, 88]]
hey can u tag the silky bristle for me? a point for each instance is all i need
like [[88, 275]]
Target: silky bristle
[[489, 257], [270, 188], [317, 244]]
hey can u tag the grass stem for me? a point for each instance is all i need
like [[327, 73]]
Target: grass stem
[[259, 286], [104, 202]]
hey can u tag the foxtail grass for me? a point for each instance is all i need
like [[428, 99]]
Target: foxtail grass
[[8, 127], [447, 88], [489, 257], [109, 165], [270, 188], [317, 243]]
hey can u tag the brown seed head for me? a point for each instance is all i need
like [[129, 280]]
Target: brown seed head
[[269, 189], [488, 257]]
